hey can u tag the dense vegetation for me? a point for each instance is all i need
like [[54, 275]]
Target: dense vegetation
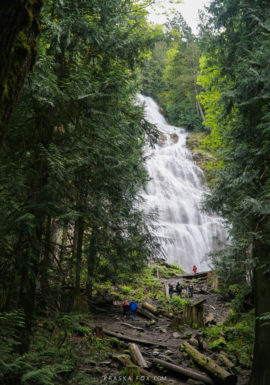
[[72, 162], [170, 76], [233, 147], [234, 74]]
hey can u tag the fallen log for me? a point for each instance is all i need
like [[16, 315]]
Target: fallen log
[[190, 373], [146, 314], [149, 377], [149, 307], [221, 375], [137, 356], [132, 339], [226, 361], [132, 327]]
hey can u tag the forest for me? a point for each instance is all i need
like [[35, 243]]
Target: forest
[[74, 237]]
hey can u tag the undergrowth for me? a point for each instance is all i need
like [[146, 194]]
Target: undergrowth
[[235, 337], [63, 348], [143, 286]]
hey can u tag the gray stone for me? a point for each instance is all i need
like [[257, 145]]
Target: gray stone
[[176, 335]]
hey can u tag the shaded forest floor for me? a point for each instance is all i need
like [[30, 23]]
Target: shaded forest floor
[[168, 333], [75, 349]]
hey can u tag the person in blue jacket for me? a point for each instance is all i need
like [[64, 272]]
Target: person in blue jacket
[[133, 308]]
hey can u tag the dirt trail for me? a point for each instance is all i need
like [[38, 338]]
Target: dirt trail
[[163, 333]]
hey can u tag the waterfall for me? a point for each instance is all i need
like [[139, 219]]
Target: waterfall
[[176, 190]]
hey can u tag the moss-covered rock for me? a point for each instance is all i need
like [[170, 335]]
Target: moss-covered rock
[[202, 155]]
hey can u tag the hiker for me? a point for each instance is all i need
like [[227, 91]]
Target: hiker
[[190, 290], [170, 290], [194, 269], [125, 308], [133, 308], [179, 289]]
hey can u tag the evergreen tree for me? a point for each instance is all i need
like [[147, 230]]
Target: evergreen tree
[[238, 54], [73, 162], [19, 28]]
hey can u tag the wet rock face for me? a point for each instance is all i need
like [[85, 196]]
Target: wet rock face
[[174, 138], [162, 140]]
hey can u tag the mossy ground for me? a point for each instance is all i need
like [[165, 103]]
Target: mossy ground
[[235, 337], [143, 286]]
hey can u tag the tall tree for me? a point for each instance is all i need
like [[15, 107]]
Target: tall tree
[[74, 160], [238, 50], [19, 29]]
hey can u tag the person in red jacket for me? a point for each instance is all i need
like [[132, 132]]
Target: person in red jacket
[[194, 269], [125, 308]]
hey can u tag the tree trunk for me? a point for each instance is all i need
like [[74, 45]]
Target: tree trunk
[[147, 314], [63, 242], [151, 379], [149, 307], [132, 339], [80, 228], [137, 356], [28, 275], [260, 370], [19, 22], [189, 373], [45, 260], [221, 375], [91, 265], [199, 106]]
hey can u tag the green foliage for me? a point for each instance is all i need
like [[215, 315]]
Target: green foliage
[[166, 271], [73, 163], [204, 155], [171, 74], [235, 337]]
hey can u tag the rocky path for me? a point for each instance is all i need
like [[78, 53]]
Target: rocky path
[[163, 333]]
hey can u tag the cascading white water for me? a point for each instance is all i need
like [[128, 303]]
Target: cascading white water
[[176, 189]]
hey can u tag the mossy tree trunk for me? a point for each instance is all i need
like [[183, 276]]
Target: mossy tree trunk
[[78, 267], [261, 370], [19, 22], [91, 265]]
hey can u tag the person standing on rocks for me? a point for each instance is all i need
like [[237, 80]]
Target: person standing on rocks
[[194, 269], [170, 290], [133, 308], [190, 290], [179, 289]]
